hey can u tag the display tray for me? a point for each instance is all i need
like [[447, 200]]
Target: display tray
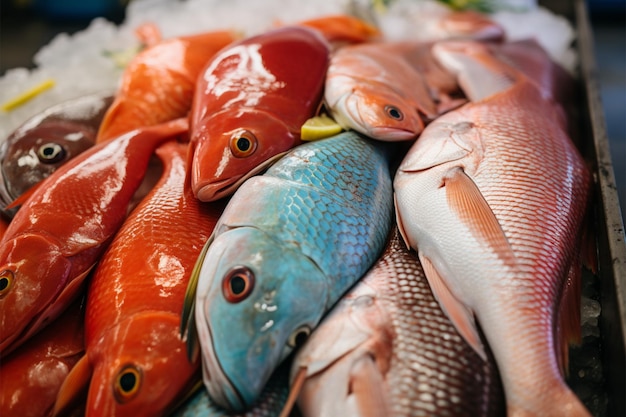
[[598, 366], [597, 371]]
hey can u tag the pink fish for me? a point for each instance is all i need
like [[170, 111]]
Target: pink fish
[[493, 195]]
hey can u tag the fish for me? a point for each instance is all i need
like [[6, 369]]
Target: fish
[[288, 244], [374, 90], [269, 404], [390, 89], [493, 197], [31, 377], [64, 226], [158, 84], [135, 361], [44, 142], [250, 103], [387, 349]]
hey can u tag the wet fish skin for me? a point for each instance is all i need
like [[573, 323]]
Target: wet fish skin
[[134, 299], [387, 349], [321, 218], [493, 196], [31, 377], [64, 225], [46, 141]]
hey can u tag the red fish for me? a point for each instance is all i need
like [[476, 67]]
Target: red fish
[[136, 362], [250, 103], [31, 377], [158, 84], [64, 226]]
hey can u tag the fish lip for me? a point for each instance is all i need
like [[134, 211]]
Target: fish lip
[[218, 189], [221, 389], [393, 134]]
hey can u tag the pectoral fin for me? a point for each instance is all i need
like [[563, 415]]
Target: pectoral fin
[[466, 200], [188, 322], [366, 383], [458, 313], [74, 386]]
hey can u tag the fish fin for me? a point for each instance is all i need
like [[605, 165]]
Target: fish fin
[[148, 34], [466, 200], [569, 330], [459, 314], [365, 385], [20, 200], [188, 322], [294, 391], [405, 236], [74, 386], [343, 29]]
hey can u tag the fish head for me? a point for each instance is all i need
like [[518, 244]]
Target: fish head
[[352, 343], [256, 302], [231, 147], [140, 367], [379, 113], [31, 154], [33, 273]]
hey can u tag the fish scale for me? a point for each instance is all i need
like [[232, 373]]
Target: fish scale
[[321, 218], [431, 371]]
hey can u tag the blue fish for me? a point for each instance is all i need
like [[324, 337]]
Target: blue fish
[[289, 244]]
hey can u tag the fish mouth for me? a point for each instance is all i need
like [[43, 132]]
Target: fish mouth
[[220, 388], [392, 134], [218, 189]]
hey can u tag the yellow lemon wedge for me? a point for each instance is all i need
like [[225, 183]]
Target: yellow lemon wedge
[[28, 95], [319, 127]]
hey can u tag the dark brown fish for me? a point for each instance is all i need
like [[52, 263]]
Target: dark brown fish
[[387, 349], [46, 141]]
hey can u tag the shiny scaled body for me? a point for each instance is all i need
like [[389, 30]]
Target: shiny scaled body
[[493, 197], [135, 358], [159, 82], [64, 226], [321, 217], [31, 377]]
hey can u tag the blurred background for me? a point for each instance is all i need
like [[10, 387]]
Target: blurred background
[[27, 25]]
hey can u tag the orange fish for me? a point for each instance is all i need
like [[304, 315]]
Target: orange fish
[[135, 362], [64, 226], [159, 83], [493, 197], [31, 377]]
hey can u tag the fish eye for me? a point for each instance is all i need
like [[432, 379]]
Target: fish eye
[[297, 338], [6, 281], [238, 284], [394, 112], [243, 143], [50, 153], [127, 383]]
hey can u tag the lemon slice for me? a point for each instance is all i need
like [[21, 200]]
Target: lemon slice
[[319, 127]]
